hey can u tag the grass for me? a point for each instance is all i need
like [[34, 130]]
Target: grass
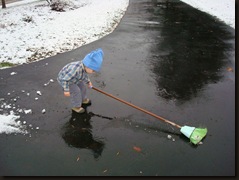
[[6, 64]]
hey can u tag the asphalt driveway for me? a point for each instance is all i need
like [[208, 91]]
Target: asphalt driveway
[[165, 57]]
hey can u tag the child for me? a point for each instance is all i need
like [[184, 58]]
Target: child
[[73, 76]]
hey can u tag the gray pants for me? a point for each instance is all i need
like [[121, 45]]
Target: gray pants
[[78, 93]]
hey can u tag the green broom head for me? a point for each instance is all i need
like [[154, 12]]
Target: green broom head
[[197, 135], [194, 134]]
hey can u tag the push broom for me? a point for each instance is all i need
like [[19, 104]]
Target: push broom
[[194, 134]]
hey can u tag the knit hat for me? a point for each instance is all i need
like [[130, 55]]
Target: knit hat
[[94, 59]]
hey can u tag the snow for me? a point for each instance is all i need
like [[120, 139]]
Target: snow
[[222, 9], [8, 124], [51, 32], [33, 31]]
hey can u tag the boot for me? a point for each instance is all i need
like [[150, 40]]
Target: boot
[[78, 110]]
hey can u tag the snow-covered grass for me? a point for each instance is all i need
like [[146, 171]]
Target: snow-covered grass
[[30, 31], [33, 31], [222, 9]]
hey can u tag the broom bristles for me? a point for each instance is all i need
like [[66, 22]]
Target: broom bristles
[[197, 135]]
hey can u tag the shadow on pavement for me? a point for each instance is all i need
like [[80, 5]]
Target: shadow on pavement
[[77, 132]]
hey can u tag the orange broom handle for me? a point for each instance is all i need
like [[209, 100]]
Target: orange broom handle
[[136, 107]]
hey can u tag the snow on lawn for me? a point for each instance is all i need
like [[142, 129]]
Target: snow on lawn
[[222, 9], [33, 31]]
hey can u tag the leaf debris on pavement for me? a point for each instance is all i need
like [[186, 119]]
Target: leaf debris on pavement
[[138, 149], [229, 69]]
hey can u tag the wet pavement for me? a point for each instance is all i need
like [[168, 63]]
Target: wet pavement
[[165, 57]]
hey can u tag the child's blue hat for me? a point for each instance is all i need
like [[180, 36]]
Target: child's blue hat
[[94, 60]]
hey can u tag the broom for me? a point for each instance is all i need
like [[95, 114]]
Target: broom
[[194, 134]]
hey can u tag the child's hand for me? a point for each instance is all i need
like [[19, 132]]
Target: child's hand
[[90, 85], [67, 94]]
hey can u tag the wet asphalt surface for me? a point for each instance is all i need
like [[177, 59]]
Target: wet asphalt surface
[[167, 58]]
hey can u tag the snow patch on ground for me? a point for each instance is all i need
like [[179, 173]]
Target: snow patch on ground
[[222, 9], [11, 112], [8, 124]]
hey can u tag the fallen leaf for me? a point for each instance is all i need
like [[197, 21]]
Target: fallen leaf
[[229, 69], [138, 149]]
